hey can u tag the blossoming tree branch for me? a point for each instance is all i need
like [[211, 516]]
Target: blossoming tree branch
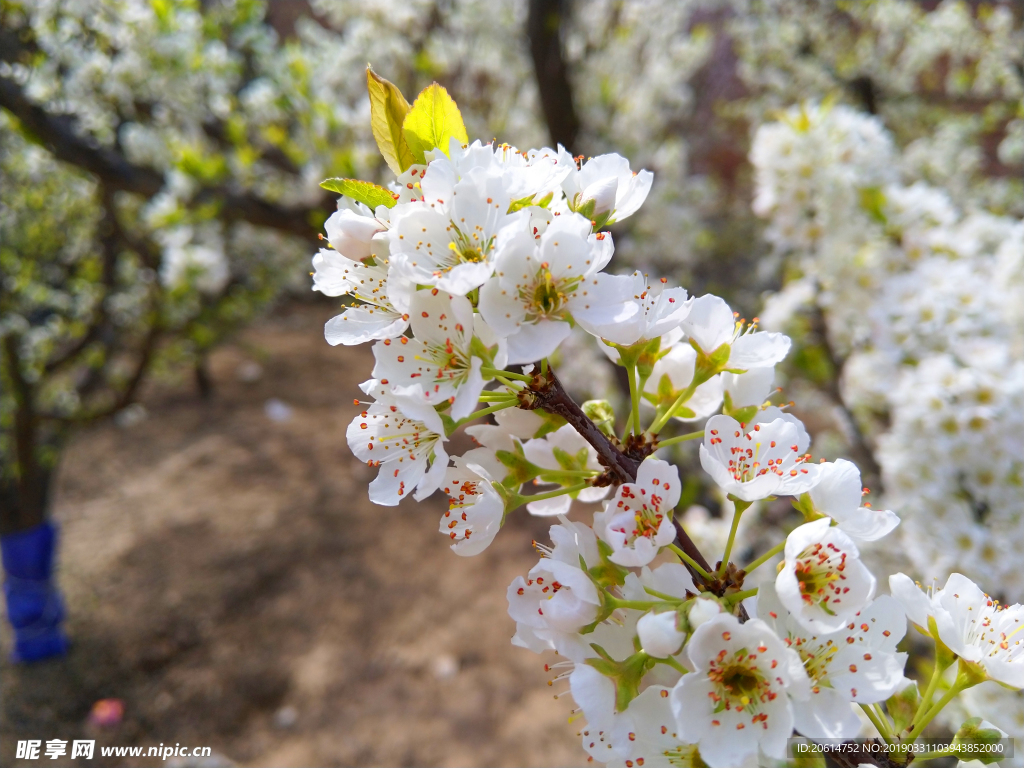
[[466, 273]]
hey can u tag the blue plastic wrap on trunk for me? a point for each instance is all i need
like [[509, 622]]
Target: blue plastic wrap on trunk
[[34, 606]]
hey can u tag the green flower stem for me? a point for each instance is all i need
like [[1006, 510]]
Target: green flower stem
[[880, 724], [570, 472], [506, 382], [739, 596], [664, 596], [544, 367], [933, 683], [507, 374], [487, 411], [741, 507], [884, 718], [766, 557], [672, 662], [662, 420], [962, 682], [680, 439], [634, 396], [493, 396], [639, 605], [689, 561], [554, 493]]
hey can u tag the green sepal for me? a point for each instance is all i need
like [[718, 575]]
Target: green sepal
[[432, 122], [362, 192], [510, 499], [520, 470], [944, 657], [805, 507], [606, 573], [388, 109], [449, 423], [709, 365], [552, 423], [522, 202], [742, 415], [478, 349], [626, 674], [602, 414], [973, 733], [902, 705]]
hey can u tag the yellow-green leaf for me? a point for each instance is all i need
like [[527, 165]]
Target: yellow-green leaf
[[388, 109], [433, 120], [361, 191]]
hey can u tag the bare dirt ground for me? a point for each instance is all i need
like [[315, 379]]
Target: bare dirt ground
[[228, 579]]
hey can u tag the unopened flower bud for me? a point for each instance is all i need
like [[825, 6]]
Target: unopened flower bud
[[601, 194], [701, 611], [659, 635]]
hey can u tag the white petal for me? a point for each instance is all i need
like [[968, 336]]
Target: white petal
[[358, 325], [826, 715]]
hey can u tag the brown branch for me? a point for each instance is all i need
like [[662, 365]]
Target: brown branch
[[544, 29], [547, 393]]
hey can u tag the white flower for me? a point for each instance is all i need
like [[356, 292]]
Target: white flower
[[660, 310], [441, 357], [540, 285], [738, 697], [605, 185], [636, 520], [644, 736], [544, 452], [351, 233], [765, 460], [838, 495], [453, 243], [856, 663], [475, 510], [400, 435], [555, 596], [595, 695], [975, 627], [710, 324], [384, 312], [672, 374], [659, 634], [823, 582]]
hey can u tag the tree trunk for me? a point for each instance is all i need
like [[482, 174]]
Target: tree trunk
[[544, 26]]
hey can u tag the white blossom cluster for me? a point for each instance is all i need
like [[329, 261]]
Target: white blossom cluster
[[925, 297], [477, 265]]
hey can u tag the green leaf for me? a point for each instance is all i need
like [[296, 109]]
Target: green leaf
[[433, 120], [361, 191], [388, 109]]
